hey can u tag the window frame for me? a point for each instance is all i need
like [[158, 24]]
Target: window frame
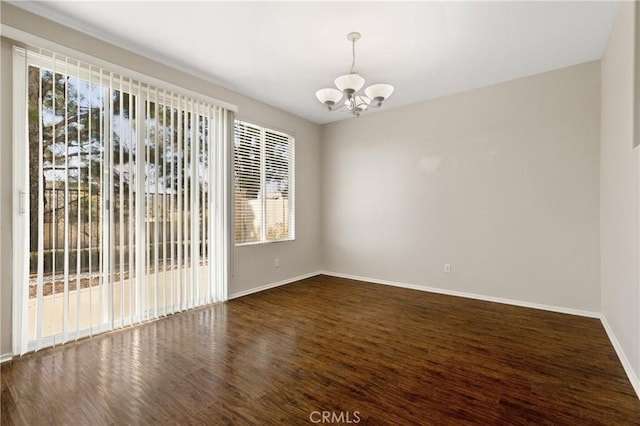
[[262, 190]]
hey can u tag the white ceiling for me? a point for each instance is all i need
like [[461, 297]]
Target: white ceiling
[[281, 53]]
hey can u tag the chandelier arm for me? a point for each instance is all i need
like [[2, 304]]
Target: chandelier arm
[[366, 105], [373, 106], [334, 108]]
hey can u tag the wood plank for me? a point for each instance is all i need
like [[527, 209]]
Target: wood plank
[[393, 355]]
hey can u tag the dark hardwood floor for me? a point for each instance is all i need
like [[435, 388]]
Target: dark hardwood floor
[[362, 352]]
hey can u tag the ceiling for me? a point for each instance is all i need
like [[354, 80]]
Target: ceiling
[[282, 52]]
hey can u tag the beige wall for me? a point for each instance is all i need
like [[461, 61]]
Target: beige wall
[[500, 182], [620, 191], [253, 266]]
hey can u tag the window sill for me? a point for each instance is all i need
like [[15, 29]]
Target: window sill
[[257, 243]]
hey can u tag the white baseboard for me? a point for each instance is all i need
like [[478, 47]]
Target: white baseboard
[[635, 381], [543, 307], [272, 285], [5, 357]]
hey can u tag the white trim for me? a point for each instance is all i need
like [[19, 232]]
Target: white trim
[[447, 292], [6, 357], [257, 123], [227, 212], [635, 381], [28, 38], [20, 199], [273, 285]]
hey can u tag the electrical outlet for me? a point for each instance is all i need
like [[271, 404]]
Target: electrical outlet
[[447, 268], [276, 263]]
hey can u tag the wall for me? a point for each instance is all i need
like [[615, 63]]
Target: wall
[[500, 182], [620, 193], [252, 266]]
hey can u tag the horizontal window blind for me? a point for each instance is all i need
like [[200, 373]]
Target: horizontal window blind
[[123, 208], [264, 182], [248, 183], [278, 184]]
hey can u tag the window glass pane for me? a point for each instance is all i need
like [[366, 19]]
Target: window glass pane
[[277, 185], [248, 193]]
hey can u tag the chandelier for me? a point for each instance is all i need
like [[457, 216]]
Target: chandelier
[[348, 87]]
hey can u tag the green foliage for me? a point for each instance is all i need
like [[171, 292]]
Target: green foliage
[[68, 125]]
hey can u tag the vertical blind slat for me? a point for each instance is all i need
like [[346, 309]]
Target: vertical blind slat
[[195, 256], [132, 204], [172, 172], [102, 278], [180, 161], [140, 203], [53, 207], [90, 204], [121, 202], [65, 300], [156, 213], [110, 208], [78, 202], [40, 207], [164, 208]]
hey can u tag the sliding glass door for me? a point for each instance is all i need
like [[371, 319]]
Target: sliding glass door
[[119, 207]]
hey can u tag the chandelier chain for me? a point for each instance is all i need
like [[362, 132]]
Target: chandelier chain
[[353, 54]]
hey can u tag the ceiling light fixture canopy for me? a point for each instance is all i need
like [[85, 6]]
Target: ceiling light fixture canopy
[[348, 88]]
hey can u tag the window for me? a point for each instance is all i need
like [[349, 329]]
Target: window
[[264, 184], [118, 184]]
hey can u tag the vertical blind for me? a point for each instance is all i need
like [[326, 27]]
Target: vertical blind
[[264, 183], [120, 200]]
